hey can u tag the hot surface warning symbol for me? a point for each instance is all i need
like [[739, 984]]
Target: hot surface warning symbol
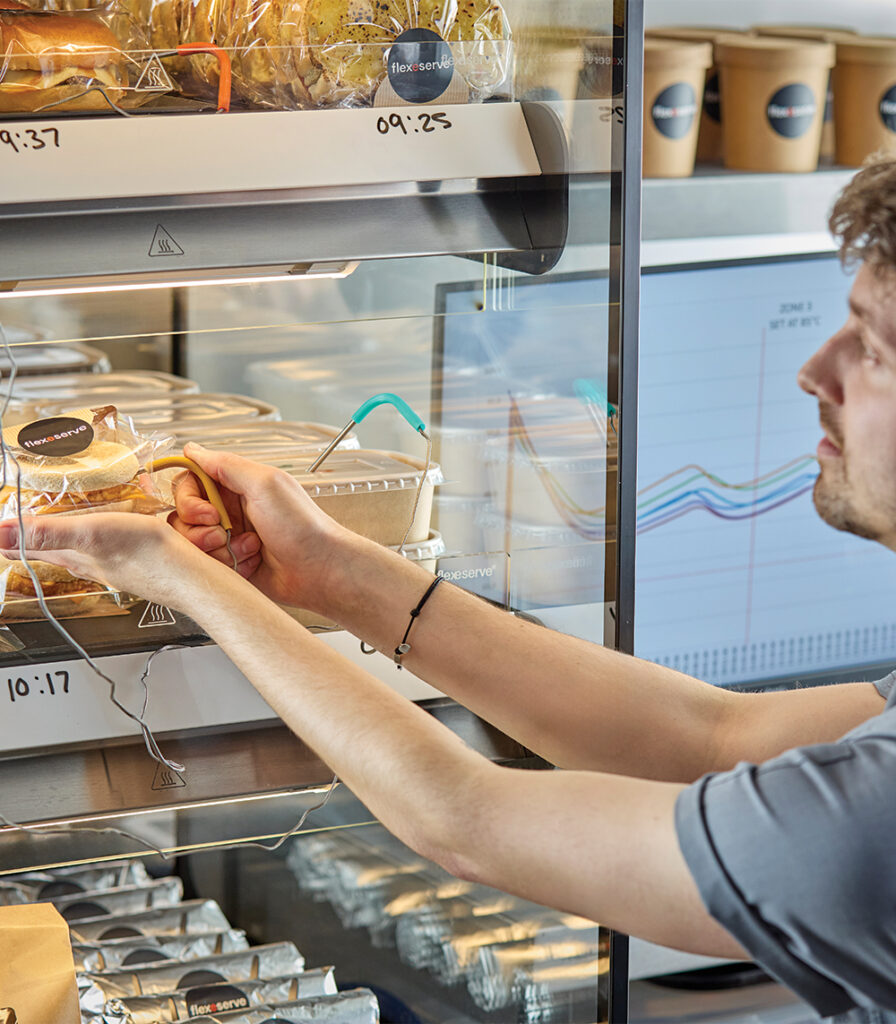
[[166, 778], [163, 244], [154, 78], [156, 615]]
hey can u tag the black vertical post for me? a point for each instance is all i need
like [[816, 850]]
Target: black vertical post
[[625, 242]]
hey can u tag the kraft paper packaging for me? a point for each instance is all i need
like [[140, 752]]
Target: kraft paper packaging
[[773, 95], [821, 34], [674, 78], [865, 98], [37, 975]]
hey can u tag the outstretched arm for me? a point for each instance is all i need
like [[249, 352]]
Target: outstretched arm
[[577, 704]]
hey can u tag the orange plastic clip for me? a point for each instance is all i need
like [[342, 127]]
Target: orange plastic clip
[[224, 73]]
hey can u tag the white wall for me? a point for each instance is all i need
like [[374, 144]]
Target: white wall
[[869, 16]]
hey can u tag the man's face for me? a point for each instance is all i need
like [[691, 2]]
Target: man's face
[[853, 376]]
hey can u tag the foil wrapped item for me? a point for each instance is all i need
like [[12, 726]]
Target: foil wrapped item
[[550, 991], [356, 1006], [193, 917], [276, 960], [41, 885], [220, 997], [131, 898], [118, 953]]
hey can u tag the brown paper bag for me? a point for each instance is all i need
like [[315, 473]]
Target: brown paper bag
[[37, 973]]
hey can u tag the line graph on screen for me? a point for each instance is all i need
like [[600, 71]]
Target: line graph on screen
[[737, 579]]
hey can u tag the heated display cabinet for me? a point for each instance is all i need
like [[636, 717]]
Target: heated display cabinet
[[237, 226]]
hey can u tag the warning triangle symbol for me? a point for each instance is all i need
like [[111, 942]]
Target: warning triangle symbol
[[156, 615], [154, 77], [163, 244], [167, 778]]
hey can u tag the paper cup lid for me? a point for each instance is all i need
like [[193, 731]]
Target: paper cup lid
[[867, 50], [676, 53], [822, 33], [774, 53]]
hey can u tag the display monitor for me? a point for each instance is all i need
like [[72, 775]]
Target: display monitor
[[738, 581]]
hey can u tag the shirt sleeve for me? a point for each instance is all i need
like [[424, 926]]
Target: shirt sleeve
[[794, 858], [885, 686]]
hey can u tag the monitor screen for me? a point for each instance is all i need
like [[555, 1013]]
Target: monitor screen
[[738, 581]]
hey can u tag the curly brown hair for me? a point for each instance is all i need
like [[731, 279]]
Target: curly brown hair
[[863, 219]]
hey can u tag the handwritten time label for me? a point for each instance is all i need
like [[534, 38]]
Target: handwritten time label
[[47, 684], [413, 124], [30, 139]]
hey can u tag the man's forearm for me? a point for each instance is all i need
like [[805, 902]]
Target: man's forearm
[[575, 703]]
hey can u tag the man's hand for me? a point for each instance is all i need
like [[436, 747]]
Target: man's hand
[[282, 541]]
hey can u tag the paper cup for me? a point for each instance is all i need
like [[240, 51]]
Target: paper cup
[[548, 63], [674, 76], [821, 34], [709, 136], [865, 98], [773, 94]]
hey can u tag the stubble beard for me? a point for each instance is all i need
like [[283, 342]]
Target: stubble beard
[[832, 503]]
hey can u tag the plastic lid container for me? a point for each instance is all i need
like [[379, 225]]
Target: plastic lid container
[[180, 411], [371, 492], [425, 550], [824, 33], [81, 387], [42, 359], [263, 440]]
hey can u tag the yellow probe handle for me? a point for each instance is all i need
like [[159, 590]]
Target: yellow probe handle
[[211, 488]]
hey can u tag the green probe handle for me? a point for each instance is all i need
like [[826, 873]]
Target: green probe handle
[[588, 391], [387, 398]]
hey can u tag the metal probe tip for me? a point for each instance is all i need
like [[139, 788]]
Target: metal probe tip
[[236, 566]]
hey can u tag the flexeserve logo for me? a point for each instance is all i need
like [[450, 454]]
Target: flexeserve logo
[[791, 110], [420, 65], [888, 109], [674, 110]]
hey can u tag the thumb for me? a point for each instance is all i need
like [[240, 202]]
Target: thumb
[[41, 534], [232, 471]]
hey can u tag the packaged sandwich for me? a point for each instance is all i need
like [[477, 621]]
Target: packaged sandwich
[[355, 1006], [192, 917], [89, 460], [213, 997], [130, 898], [51, 60], [289, 54], [39, 885], [275, 960]]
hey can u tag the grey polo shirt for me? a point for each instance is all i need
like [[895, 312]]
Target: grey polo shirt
[[796, 857]]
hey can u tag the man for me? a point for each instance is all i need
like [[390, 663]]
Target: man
[[739, 825]]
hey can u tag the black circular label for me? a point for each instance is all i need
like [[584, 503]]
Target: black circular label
[[712, 98], [420, 65], [199, 977], [120, 932], [888, 108], [791, 110], [143, 956], [58, 435], [78, 911], [215, 999], [59, 888], [674, 110]]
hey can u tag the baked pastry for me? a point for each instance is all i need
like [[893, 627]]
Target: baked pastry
[[47, 57]]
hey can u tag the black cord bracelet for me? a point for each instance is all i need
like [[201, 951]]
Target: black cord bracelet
[[404, 647]]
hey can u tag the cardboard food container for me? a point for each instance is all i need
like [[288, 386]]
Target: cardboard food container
[[865, 98], [548, 63], [821, 34], [709, 136], [674, 78], [773, 94], [371, 492]]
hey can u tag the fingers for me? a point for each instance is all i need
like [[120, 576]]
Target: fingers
[[236, 473], [213, 540], [192, 506], [41, 536]]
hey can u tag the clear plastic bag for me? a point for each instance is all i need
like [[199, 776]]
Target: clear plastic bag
[[289, 54], [63, 55], [90, 460]]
